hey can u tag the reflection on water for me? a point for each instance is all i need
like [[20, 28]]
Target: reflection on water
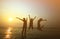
[[8, 33], [15, 33], [7, 36]]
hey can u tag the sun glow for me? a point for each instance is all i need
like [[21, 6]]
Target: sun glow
[[8, 33], [10, 19]]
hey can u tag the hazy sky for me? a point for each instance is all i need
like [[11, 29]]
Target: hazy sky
[[47, 9]]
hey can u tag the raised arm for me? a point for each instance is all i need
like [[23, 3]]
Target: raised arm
[[19, 18], [35, 17], [44, 20]]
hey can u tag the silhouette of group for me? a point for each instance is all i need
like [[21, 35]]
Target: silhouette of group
[[31, 20]]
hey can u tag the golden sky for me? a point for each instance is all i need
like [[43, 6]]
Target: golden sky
[[49, 9]]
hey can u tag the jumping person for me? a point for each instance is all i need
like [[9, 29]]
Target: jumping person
[[31, 22], [39, 27]]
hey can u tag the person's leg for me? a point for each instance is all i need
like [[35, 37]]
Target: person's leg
[[32, 26], [22, 34], [25, 33]]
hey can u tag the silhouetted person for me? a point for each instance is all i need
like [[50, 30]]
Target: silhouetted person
[[31, 22], [39, 27], [24, 27]]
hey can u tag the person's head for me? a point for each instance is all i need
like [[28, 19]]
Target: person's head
[[23, 18], [41, 19], [31, 18]]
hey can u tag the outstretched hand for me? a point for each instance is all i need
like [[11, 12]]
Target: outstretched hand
[[45, 20], [17, 17]]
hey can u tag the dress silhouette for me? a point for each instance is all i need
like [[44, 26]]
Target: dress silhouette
[[39, 27], [31, 22]]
